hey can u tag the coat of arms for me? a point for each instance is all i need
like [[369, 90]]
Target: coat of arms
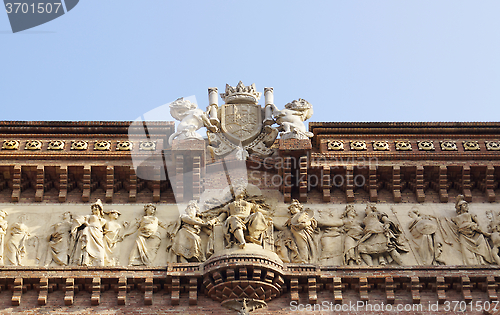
[[241, 125]]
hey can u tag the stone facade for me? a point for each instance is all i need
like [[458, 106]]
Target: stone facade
[[125, 217]]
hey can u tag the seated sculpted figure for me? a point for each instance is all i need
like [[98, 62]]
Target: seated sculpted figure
[[246, 222], [185, 235], [475, 249], [381, 240], [148, 237]]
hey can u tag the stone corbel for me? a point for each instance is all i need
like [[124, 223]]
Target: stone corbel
[[17, 291], [95, 298], [69, 293]]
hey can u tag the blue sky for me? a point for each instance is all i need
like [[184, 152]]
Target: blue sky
[[353, 60]]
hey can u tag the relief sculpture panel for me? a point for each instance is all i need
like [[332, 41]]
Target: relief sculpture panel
[[248, 221]]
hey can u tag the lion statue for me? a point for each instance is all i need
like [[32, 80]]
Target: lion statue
[[191, 119], [291, 119]]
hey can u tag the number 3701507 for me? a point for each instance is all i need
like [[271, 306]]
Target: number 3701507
[[462, 306], [19, 7]]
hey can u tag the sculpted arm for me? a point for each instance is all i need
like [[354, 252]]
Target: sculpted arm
[[132, 229]]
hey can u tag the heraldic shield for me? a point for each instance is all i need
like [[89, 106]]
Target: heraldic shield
[[241, 123]]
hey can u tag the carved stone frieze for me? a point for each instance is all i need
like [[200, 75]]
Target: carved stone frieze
[[249, 224]]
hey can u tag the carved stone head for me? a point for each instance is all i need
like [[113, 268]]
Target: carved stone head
[[414, 213], [150, 209], [97, 208], [192, 208], [349, 212], [295, 207]]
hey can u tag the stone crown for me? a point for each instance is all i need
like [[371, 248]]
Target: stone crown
[[241, 94]]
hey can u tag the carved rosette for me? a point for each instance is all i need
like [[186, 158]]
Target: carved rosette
[[243, 281]]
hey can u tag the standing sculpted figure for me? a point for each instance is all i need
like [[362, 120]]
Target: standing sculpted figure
[[3, 232], [148, 237], [191, 119], [59, 242], [494, 230], [352, 234], [87, 232], [381, 238], [424, 228], [475, 249], [16, 245], [111, 231], [185, 235], [297, 244], [291, 119]]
